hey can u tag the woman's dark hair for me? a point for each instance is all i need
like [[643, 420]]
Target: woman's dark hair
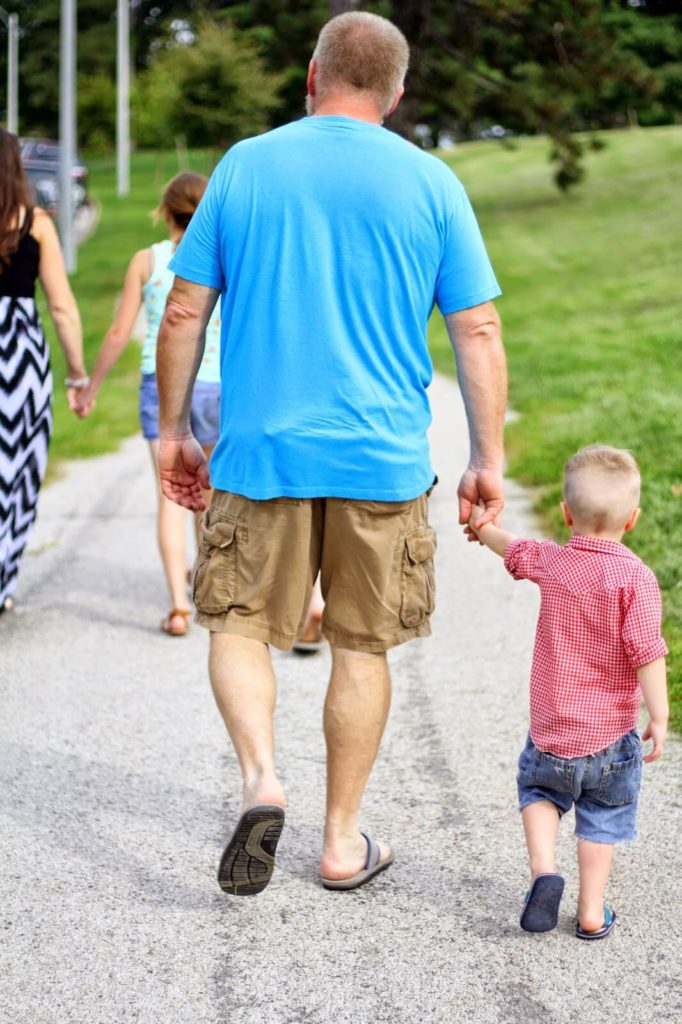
[[181, 197], [15, 194]]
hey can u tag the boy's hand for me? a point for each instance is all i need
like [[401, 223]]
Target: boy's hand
[[477, 512], [658, 734]]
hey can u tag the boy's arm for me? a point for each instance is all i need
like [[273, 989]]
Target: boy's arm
[[652, 681], [492, 536]]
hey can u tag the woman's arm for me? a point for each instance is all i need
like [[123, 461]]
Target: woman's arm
[[60, 299], [118, 335]]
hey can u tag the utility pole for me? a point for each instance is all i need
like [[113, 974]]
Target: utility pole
[[12, 23], [123, 99], [67, 130]]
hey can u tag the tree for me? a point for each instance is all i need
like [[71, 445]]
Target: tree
[[211, 89], [545, 67]]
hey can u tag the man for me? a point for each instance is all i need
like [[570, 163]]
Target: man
[[330, 239]]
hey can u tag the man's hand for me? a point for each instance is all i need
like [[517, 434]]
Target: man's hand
[[484, 488], [656, 732], [183, 471]]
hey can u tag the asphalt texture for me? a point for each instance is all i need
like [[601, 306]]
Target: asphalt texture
[[119, 790]]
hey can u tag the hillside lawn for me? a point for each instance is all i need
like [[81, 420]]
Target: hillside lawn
[[591, 309]]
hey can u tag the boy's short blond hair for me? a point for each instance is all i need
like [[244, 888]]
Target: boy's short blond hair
[[363, 52], [601, 487]]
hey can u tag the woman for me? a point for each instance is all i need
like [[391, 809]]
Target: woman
[[147, 282], [29, 250]]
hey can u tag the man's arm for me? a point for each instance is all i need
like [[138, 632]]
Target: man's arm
[[476, 339], [183, 467]]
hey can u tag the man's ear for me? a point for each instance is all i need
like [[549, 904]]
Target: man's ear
[[310, 80], [398, 96], [568, 518], [634, 516]]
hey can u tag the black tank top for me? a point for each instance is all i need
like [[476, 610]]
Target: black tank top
[[19, 278]]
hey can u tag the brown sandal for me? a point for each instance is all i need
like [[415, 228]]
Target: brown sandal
[[167, 623]]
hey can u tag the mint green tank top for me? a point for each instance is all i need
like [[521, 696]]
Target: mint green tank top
[[154, 294]]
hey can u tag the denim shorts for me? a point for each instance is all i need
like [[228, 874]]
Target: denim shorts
[[205, 412], [604, 787]]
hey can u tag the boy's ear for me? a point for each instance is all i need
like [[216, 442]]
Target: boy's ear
[[634, 516], [568, 518]]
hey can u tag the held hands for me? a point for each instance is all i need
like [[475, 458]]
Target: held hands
[[481, 490], [657, 733], [83, 401], [183, 471], [476, 520]]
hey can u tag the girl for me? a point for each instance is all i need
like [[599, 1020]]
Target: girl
[[147, 283]]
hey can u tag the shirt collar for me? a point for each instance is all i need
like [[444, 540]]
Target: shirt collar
[[606, 547]]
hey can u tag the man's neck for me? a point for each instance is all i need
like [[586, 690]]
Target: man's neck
[[344, 106]]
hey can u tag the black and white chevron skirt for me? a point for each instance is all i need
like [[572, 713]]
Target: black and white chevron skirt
[[25, 429]]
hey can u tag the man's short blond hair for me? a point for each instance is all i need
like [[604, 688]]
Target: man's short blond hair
[[364, 53], [601, 487]]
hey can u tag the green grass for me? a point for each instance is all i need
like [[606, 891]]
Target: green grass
[[125, 226], [592, 317]]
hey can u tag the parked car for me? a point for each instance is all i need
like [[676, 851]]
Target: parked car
[[40, 158]]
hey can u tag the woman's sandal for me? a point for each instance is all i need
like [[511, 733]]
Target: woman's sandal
[[176, 613]]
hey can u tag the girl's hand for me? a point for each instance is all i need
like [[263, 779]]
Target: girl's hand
[[81, 400]]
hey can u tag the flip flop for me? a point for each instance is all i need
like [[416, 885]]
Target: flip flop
[[307, 646], [247, 864], [601, 933], [373, 865], [541, 909]]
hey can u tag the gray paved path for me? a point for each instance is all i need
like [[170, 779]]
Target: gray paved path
[[118, 790]]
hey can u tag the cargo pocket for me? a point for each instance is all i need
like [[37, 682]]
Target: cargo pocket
[[215, 570], [620, 781], [418, 581]]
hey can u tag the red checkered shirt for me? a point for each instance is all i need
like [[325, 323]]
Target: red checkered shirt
[[600, 620]]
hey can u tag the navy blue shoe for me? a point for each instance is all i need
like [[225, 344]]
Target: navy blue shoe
[[601, 933], [541, 909]]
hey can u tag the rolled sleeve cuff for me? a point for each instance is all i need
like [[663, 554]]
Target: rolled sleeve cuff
[[645, 655], [513, 559]]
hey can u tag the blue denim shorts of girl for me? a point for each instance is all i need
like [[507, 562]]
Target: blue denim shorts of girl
[[604, 787], [205, 413]]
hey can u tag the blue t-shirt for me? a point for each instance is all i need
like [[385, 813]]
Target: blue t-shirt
[[330, 240]]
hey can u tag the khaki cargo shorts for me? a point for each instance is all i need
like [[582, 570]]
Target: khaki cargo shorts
[[258, 561]]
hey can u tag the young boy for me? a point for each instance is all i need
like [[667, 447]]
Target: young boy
[[598, 649]]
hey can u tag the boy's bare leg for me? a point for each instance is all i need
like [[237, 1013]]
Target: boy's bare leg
[[594, 862], [541, 824], [244, 688], [355, 714]]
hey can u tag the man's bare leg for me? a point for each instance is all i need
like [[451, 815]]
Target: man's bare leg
[[244, 688], [355, 714]]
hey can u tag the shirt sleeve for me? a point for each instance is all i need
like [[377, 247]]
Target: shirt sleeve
[[641, 629], [522, 557], [465, 276], [198, 256]]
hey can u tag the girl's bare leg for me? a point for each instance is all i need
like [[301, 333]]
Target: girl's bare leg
[[171, 540]]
